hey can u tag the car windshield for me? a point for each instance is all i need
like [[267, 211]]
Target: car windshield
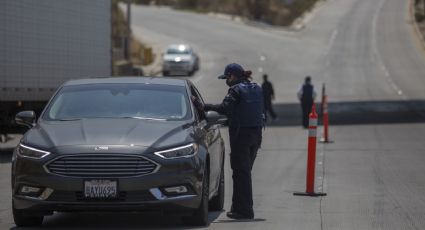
[[138, 101], [177, 51]]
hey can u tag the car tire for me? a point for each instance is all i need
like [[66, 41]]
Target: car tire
[[197, 66], [191, 73], [217, 202], [23, 219], [165, 73], [199, 216]]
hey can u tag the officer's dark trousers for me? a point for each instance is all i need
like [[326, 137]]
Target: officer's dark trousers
[[306, 109], [244, 144]]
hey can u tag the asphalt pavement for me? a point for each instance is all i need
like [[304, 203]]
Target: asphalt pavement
[[367, 54]]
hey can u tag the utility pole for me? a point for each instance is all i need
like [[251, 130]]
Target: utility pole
[[127, 48]]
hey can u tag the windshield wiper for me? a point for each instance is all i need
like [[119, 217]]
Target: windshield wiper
[[147, 118]]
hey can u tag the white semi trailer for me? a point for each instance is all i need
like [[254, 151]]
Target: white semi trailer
[[44, 43]]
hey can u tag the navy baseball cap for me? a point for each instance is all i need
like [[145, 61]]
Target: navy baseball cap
[[234, 69]]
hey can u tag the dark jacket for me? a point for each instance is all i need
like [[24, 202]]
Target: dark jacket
[[307, 94], [268, 91], [243, 105]]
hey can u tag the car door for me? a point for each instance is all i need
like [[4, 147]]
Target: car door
[[213, 140]]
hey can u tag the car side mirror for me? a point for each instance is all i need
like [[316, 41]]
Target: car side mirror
[[25, 118], [214, 118]]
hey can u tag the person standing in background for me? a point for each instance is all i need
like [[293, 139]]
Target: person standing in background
[[268, 95], [306, 95]]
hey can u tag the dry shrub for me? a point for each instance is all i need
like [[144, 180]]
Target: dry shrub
[[275, 12]]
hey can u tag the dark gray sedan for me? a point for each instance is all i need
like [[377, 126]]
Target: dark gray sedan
[[119, 144]]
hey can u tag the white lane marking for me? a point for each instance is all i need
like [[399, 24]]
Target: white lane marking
[[390, 80], [385, 70], [262, 60], [331, 42], [376, 52]]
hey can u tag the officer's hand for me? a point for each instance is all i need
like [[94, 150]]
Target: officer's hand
[[197, 103], [194, 99]]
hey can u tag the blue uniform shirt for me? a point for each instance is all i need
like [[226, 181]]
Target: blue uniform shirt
[[243, 105]]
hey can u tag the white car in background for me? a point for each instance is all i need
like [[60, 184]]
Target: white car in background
[[179, 59]]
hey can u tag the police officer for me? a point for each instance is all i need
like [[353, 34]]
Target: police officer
[[243, 105], [306, 95]]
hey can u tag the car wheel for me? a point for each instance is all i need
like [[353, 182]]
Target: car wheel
[[217, 202], [165, 73], [23, 219], [200, 215], [197, 66]]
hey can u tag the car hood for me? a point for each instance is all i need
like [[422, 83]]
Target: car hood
[[173, 57], [109, 132]]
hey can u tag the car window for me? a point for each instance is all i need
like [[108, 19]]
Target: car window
[[195, 93], [120, 101], [178, 51]]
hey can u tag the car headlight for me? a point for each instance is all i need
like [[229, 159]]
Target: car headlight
[[26, 151], [178, 152]]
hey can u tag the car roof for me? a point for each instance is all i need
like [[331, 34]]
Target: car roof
[[129, 80]]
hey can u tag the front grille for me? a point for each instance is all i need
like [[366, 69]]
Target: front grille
[[101, 165]]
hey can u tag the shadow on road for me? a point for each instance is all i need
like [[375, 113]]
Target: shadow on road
[[116, 220], [353, 113], [341, 113], [239, 221]]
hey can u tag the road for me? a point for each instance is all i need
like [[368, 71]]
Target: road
[[367, 54]]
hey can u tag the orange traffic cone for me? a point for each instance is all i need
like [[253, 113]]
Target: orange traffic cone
[[325, 138], [311, 158]]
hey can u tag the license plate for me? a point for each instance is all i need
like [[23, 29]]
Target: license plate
[[100, 189]]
